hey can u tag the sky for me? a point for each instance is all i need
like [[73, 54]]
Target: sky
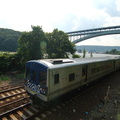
[[65, 15]]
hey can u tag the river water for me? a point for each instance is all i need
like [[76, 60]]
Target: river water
[[88, 55]]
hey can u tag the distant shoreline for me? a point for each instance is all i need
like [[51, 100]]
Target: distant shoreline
[[88, 55], [100, 49]]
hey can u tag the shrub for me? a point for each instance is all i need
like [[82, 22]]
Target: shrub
[[10, 62], [4, 78], [76, 56]]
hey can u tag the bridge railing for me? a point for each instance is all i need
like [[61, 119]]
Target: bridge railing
[[77, 35]]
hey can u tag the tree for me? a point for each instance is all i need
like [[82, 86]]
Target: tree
[[24, 45], [91, 54], [8, 40], [58, 44], [113, 51], [84, 53], [38, 38], [30, 44]]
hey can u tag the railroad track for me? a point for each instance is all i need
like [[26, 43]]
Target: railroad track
[[15, 105], [11, 86], [10, 94], [21, 108]]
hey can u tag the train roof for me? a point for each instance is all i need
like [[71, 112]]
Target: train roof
[[54, 63]]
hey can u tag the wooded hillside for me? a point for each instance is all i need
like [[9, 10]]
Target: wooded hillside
[[8, 40]]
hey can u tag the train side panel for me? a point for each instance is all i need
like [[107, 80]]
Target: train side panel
[[49, 82], [99, 69], [63, 80], [117, 64]]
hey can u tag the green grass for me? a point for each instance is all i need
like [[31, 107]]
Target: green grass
[[4, 78], [2, 52], [118, 116], [19, 76]]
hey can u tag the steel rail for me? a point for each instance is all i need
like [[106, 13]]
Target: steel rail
[[9, 86], [13, 110], [21, 86], [12, 95], [13, 102]]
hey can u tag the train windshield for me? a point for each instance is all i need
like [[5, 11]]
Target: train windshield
[[43, 78], [28, 73], [36, 74]]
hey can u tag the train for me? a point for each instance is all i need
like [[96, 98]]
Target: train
[[48, 79]]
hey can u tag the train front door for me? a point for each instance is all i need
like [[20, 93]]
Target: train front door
[[84, 72]]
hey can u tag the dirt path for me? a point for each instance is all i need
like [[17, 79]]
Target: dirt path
[[102, 103], [12, 80]]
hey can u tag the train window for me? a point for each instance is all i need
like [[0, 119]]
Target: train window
[[93, 71], [98, 69], [56, 78], [27, 72], [71, 76], [84, 71], [33, 75], [43, 78]]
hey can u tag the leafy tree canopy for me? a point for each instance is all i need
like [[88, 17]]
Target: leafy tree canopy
[[8, 40], [34, 45], [113, 51], [29, 44], [59, 44]]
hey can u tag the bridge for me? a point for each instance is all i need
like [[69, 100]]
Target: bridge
[[78, 36]]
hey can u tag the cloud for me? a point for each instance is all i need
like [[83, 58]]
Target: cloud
[[66, 15], [111, 7], [109, 40]]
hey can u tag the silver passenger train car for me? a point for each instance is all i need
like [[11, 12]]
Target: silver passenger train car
[[48, 79]]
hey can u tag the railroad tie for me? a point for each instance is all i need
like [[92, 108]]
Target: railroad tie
[[53, 109], [36, 118], [18, 96], [8, 94], [4, 118], [13, 117], [23, 90], [34, 109], [13, 98], [43, 115], [13, 92], [21, 114], [28, 111], [3, 95], [1, 101], [7, 99], [58, 106], [18, 91], [48, 112]]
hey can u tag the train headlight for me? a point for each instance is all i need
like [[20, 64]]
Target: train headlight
[[27, 82], [43, 91]]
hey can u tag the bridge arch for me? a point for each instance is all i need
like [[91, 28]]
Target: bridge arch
[[96, 35], [90, 33]]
